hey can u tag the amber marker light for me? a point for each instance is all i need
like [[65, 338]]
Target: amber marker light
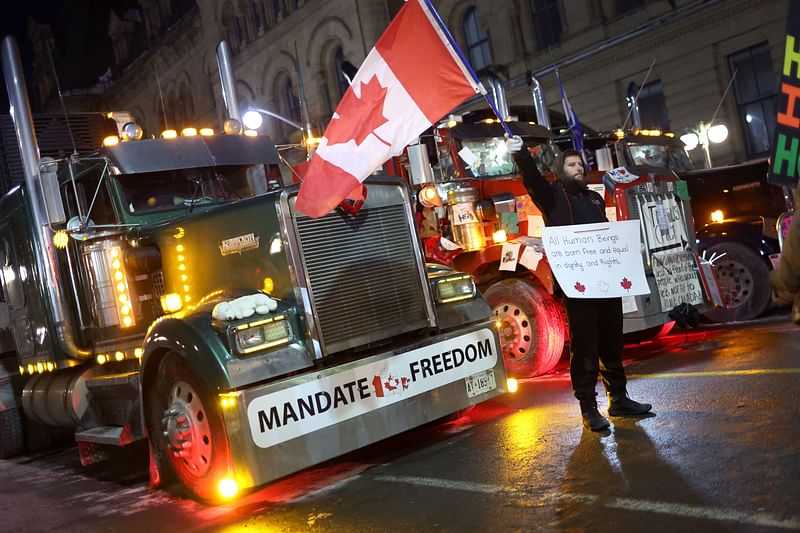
[[250, 133], [189, 132], [111, 140], [60, 239], [227, 399], [228, 488], [268, 286], [169, 134], [499, 236], [171, 302], [717, 216], [513, 385], [101, 359], [206, 132]]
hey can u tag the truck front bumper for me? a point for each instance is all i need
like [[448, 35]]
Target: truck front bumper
[[290, 424]]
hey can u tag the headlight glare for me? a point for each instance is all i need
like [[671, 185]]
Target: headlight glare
[[261, 334], [454, 288]]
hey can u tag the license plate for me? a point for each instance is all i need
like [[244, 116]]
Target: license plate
[[480, 383]]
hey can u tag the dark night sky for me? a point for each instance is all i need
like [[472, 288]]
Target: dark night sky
[[80, 31]]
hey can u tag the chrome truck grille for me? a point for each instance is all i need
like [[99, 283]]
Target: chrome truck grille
[[364, 273]]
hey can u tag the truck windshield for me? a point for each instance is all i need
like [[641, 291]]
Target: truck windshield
[[183, 189], [659, 155], [488, 157]]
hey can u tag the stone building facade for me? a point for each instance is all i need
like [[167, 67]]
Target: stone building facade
[[165, 71]]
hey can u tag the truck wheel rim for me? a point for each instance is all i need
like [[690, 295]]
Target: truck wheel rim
[[736, 282], [515, 329], [187, 430]]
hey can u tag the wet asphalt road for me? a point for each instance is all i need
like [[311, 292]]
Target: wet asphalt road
[[722, 453]]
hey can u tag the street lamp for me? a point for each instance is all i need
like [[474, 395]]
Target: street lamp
[[703, 135], [252, 120]]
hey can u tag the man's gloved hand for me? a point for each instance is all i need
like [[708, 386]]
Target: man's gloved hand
[[514, 144]]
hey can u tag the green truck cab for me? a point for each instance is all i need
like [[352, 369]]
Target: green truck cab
[[159, 289]]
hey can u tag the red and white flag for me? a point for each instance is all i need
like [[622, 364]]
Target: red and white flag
[[409, 80]]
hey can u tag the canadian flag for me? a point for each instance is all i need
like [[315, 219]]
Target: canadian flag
[[410, 79]]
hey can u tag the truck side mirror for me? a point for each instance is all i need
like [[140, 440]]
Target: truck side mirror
[[48, 180]]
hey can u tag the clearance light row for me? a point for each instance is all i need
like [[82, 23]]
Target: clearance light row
[[37, 368], [173, 302], [113, 140], [123, 296], [103, 358]]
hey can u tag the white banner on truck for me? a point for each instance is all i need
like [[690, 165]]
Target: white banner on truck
[[295, 411]]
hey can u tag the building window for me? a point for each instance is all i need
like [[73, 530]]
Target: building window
[[546, 23], [240, 31], [341, 81], [277, 12], [755, 89], [477, 41], [292, 102], [624, 6], [653, 107], [258, 16]]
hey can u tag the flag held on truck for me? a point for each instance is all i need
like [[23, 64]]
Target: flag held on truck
[[575, 127], [410, 79]]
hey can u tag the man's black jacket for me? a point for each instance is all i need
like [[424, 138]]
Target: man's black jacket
[[558, 206]]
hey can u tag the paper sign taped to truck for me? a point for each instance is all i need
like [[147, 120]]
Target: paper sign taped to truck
[[596, 260], [307, 407], [677, 278]]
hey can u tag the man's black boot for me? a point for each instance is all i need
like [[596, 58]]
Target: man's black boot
[[621, 405], [592, 418]]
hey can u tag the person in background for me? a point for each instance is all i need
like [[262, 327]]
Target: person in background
[[595, 324], [786, 278]]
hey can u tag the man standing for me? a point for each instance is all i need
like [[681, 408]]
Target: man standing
[[595, 324]]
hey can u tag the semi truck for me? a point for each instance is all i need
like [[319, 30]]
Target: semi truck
[[158, 289], [470, 194]]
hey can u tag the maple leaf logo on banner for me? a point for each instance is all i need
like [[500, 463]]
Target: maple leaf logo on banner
[[343, 128], [626, 284]]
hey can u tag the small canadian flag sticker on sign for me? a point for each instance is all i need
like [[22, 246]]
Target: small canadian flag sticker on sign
[[626, 284]]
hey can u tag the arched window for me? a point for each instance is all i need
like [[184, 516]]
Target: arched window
[[341, 80], [477, 40], [186, 103], [229, 27], [257, 12], [292, 102]]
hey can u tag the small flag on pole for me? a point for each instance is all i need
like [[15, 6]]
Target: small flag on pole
[[409, 80]]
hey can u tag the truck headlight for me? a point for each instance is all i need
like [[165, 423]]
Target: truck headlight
[[261, 334], [454, 288]]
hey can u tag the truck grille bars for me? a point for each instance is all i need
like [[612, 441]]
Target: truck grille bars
[[365, 276]]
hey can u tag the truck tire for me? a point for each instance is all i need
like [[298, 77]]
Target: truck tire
[[12, 437], [743, 281], [182, 411], [532, 326]]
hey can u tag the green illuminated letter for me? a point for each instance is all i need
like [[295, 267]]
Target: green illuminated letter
[[782, 154]]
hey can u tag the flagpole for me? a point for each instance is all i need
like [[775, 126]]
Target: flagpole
[[466, 64]]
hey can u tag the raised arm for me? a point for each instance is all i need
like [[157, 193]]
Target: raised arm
[[540, 190]]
